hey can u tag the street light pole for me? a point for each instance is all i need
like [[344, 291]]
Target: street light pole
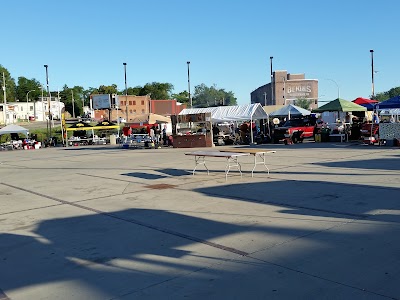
[[49, 104], [126, 95], [27, 105], [190, 98], [372, 72], [272, 79], [338, 89]]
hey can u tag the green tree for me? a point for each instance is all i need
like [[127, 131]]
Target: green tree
[[107, 89], [157, 90], [10, 85], [182, 97], [387, 95], [25, 85], [205, 96], [74, 99], [303, 103]]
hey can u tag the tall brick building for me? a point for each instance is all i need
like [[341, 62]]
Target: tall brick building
[[286, 88]]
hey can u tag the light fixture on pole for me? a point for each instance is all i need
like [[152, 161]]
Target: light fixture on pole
[[126, 94], [49, 104], [272, 79], [372, 73], [27, 104], [190, 98]]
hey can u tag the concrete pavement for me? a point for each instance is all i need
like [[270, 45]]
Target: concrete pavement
[[110, 223]]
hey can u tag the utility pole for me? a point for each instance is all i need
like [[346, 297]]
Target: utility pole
[[49, 105], [272, 85], [265, 99], [73, 104], [190, 98], [4, 101]]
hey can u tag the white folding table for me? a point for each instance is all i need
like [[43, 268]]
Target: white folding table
[[256, 153], [231, 159]]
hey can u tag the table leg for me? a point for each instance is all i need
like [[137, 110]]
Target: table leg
[[262, 156], [232, 162], [200, 160]]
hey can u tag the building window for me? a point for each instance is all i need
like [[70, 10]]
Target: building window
[[130, 111], [130, 102], [22, 109], [142, 102], [142, 111], [134, 102], [134, 111]]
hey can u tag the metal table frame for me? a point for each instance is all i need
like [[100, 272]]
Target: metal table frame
[[231, 160]]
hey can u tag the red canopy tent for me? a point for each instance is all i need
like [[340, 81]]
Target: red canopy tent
[[361, 101]]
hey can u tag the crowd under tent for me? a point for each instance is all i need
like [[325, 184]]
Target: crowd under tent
[[237, 113]]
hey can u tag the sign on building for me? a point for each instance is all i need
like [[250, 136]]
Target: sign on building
[[101, 101]]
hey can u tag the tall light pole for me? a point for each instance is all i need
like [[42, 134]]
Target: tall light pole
[[27, 104], [272, 79], [338, 89], [4, 100], [126, 95], [372, 72], [49, 104], [190, 98]]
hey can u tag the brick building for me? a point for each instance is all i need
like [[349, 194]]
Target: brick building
[[286, 88], [130, 106]]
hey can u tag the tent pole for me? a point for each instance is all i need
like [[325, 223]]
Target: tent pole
[[251, 130]]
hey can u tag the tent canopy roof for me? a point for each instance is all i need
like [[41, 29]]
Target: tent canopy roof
[[361, 100], [84, 126], [230, 113], [12, 128], [390, 103], [340, 105], [293, 109], [149, 118]]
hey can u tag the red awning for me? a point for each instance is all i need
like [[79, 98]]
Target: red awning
[[361, 100]]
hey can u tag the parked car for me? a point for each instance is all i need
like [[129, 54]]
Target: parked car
[[295, 129]]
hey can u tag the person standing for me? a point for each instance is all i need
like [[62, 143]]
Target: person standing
[[164, 135]]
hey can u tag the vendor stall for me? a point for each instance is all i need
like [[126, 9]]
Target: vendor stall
[[192, 130], [220, 114], [81, 138]]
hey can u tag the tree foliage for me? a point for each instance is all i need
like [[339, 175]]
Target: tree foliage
[[10, 85], [26, 85], [303, 103], [205, 96], [387, 95]]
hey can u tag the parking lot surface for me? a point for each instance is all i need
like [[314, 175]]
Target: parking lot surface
[[103, 222]]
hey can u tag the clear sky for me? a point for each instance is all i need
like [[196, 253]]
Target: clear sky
[[228, 43]]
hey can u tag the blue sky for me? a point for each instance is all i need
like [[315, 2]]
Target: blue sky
[[228, 43]]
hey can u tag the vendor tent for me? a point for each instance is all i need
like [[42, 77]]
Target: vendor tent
[[230, 113], [290, 110], [390, 103], [85, 126], [369, 104], [12, 128], [248, 112], [149, 118], [340, 105]]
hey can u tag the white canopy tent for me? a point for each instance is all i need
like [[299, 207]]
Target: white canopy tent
[[12, 128], [231, 113]]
